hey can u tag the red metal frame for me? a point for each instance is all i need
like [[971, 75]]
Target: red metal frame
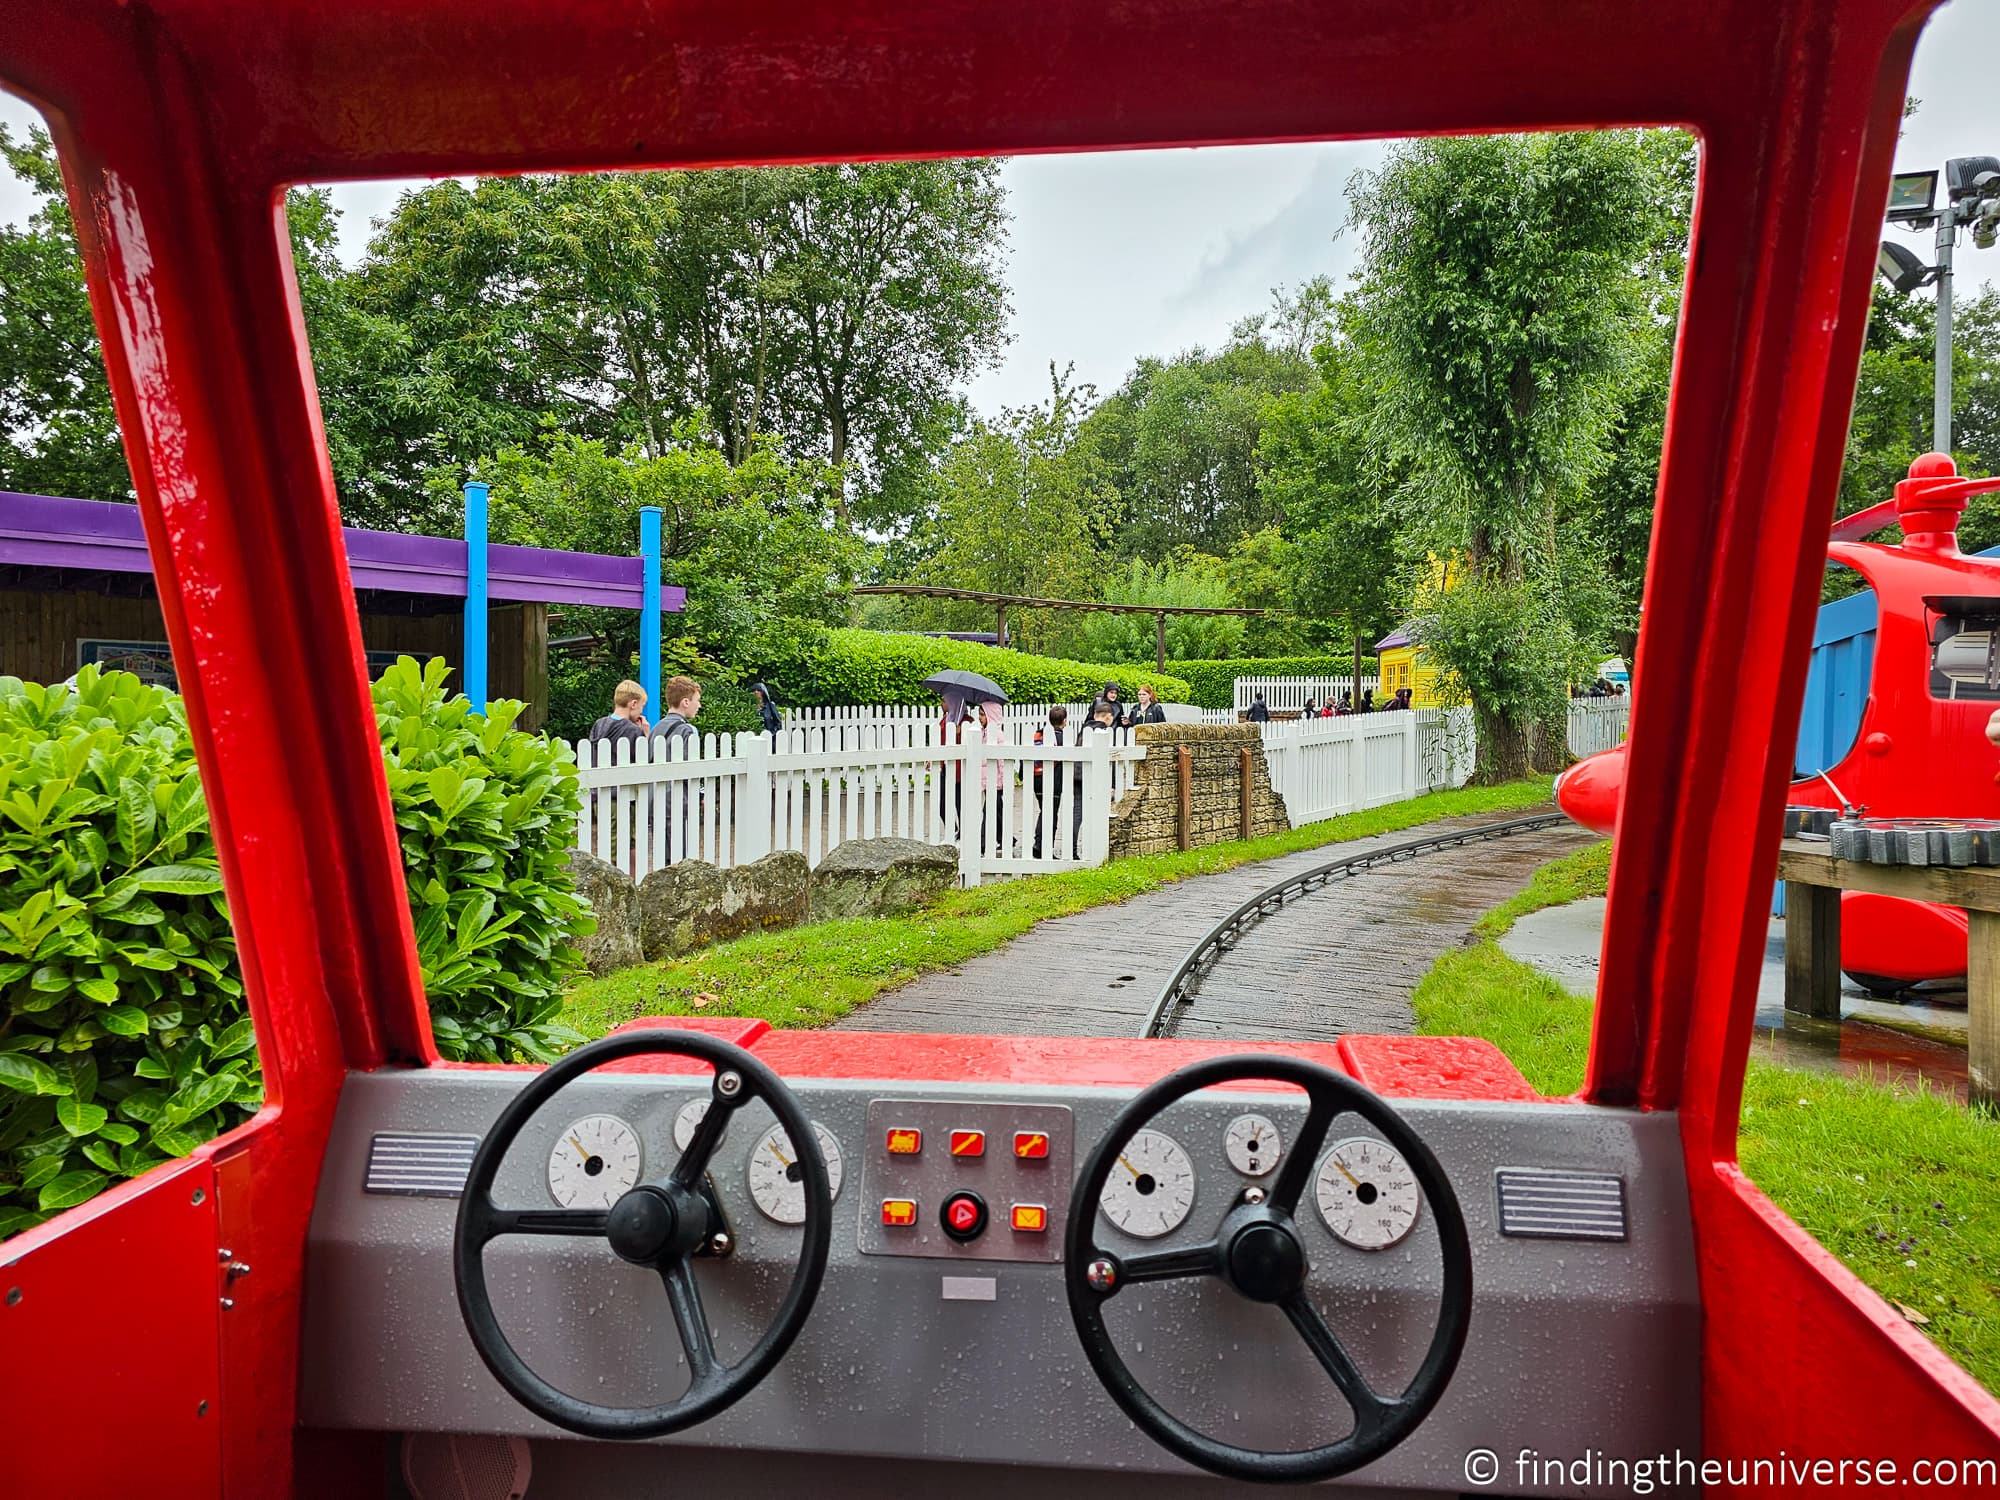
[[180, 122]]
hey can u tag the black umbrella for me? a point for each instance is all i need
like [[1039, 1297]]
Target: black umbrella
[[967, 685]]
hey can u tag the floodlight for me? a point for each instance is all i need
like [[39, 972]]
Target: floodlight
[[1901, 268], [1961, 174], [1911, 195]]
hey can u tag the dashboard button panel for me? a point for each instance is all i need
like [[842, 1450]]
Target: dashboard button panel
[[976, 1204]]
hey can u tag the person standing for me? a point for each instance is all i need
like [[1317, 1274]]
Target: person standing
[[627, 719], [1057, 780], [992, 730], [1110, 695], [677, 740], [767, 709], [1367, 704], [1260, 711], [1148, 710]]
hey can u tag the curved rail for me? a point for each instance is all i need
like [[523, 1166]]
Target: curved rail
[[1181, 985]]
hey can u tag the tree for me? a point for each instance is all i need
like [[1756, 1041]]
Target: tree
[[752, 543], [58, 434], [1015, 515], [1495, 319], [1318, 473], [1179, 441], [833, 308], [1187, 578]]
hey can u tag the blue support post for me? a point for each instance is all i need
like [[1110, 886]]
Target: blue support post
[[649, 608], [472, 670]]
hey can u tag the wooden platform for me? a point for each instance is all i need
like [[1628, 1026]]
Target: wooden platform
[[1341, 960]]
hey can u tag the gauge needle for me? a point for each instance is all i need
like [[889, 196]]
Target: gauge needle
[[1128, 1166], [579, 1146], [783, 1160], [1353, 1181]]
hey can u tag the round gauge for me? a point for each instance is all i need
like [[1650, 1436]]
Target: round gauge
[[684, 1123], [1151, 1187], [594, 1162], [1367, 1194], [778, 1182], [1252, 1144]]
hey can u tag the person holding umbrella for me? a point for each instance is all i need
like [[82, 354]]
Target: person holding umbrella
[[958, 690]]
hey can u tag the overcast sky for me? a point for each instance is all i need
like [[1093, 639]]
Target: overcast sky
[[1130, 253]]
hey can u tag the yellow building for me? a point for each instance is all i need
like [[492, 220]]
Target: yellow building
[[1400, 661]]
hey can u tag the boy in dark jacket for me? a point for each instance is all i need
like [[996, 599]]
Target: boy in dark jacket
[[627, 719]]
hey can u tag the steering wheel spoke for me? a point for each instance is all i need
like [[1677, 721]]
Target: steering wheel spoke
[[1370, 1410], [1304, 1155], [691, 1318], [1170, 1265], [560, 1221], [707, 1136]]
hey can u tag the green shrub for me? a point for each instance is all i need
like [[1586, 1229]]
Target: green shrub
[[1213, 683], [124, 1040], [486, 815], [810, 665], [123, 1037]]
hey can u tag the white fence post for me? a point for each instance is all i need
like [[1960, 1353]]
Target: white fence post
[[756, 798]]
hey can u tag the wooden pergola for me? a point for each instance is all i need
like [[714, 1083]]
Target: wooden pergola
[[1003, 602]]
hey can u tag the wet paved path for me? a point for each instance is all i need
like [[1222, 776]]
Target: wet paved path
[[1343, 959]]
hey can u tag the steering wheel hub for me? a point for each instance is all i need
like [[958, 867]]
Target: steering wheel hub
[[641, 1225], [1266, 1262]]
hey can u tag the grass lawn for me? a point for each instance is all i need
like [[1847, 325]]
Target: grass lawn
[[1902, 1184], [808, 976]]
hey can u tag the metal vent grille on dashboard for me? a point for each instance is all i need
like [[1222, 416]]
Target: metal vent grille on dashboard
[[1539, 1204], [416, 1165]]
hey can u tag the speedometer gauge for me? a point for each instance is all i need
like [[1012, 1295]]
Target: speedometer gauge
[[691, 1115], [1151, 1187], [778, 1182], [1367, 1194], [594, 1162]]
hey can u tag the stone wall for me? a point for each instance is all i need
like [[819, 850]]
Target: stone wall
[[1147, 818]]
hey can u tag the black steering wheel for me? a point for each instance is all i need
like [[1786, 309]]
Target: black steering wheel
[[663, 1224], [1259, 1253]]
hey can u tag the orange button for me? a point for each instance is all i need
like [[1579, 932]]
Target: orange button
[[968, 1143], [899, 1213], [905, 1142], [1031, 1145], [1029, 1218]]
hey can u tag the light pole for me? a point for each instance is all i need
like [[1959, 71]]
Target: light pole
[[1972, 197]]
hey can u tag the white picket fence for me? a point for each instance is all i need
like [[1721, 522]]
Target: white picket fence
[[732, 799], [1289, 694], [1597, 723]]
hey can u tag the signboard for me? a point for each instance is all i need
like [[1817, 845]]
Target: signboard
[[149, 661]]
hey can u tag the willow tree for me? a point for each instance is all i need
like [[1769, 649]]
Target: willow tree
[[1499, 322]]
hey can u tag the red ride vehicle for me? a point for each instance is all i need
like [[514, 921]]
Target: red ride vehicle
[[1564, 1278], [1920, 751]]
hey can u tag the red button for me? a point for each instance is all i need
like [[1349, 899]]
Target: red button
[[899, 1213], [1031, 1145], [904, 1141], [963, 1216], [968, 1143]]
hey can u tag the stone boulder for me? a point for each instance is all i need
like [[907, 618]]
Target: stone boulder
[[680, 909], [775, 891], [615, 901], [880, 877]]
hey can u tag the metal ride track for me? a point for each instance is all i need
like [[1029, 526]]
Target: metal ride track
[[1181, 987]]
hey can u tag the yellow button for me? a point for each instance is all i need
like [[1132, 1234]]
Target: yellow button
[[899, 1213], [1029, 1218]]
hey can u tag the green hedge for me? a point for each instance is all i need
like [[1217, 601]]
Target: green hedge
[[123, 1035], [1213, 683], [811, 665]]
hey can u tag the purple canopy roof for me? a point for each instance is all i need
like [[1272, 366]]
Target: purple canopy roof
[[48, 531]]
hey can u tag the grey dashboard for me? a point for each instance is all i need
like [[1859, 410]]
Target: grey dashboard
[[925, 1347]]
